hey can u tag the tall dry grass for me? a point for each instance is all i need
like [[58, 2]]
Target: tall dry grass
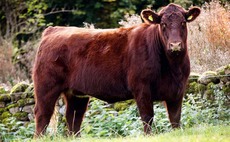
[[209, 37]]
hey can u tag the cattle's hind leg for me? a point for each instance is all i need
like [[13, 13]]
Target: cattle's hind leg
[[44, 107], [75, 110], [174, 112]]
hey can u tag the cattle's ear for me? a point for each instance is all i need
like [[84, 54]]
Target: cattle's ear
[[150, 17], [192, 14]]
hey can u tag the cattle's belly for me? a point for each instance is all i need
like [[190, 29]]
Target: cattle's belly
[[113, 97], [108, 91], [110, 95], [103, 85]]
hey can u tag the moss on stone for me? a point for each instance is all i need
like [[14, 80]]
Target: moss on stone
[[6, 120], [226, 90], [21, 102], [5, 98], [23, 116], [27, 101], [2, 90], [12, 106], [29, 92], [209, 76], [223, 70], [210, 85], [15, 96], [200, 88], [209, 95], [20, 87], [2, 110], [5, 114], [119, 106], [193, 77], [191, 88], [30, 101], [195, 88]]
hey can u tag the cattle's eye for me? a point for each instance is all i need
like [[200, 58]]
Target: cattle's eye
[[183, 24], [163, 25]]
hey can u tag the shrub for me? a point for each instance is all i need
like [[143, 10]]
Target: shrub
[[12, 129], [197, 109], [102, 120]]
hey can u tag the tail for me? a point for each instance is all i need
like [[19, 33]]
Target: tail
[[52, 128]]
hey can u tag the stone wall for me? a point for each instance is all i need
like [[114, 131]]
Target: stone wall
[[19, 101], [206, 83]]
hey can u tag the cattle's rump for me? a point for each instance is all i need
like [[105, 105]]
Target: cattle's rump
[[148, 62]]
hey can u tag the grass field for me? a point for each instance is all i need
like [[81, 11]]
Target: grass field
[[196, 134]]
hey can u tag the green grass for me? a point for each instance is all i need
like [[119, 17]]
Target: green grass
[[196, 134]]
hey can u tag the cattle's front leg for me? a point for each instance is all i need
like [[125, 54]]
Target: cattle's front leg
[[145, 106], [174, 112]]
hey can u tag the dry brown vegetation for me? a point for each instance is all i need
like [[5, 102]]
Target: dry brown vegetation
[[209, 38], [10, 72], [6, 66]]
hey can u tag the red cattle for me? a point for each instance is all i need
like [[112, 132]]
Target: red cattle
[[148, 62]]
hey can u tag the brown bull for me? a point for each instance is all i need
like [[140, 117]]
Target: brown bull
[[148, 62]]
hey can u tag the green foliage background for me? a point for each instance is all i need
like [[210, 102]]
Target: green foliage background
[[102, 13]]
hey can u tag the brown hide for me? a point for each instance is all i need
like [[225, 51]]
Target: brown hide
[[148, 62]]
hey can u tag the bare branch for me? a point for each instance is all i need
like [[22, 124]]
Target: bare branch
[[59, 11]]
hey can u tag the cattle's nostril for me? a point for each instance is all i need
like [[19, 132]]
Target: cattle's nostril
[[176, 46]]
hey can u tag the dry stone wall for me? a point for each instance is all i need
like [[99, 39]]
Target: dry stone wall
[[19, 101]]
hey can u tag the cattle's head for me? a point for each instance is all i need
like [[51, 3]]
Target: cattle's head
[[172, 21]]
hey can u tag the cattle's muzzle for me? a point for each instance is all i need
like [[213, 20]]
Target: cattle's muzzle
[[175, 47]]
